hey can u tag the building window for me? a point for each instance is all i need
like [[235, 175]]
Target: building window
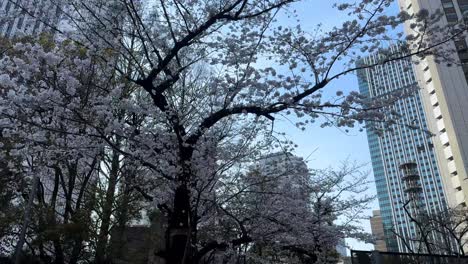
[[450, 12]]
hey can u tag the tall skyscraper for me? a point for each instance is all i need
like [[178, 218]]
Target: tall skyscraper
[[27, 17], [392, 148], [445, 98]]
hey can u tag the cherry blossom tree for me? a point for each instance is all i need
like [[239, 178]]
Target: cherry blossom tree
[[189, 90], [291, 214], [442, 232]]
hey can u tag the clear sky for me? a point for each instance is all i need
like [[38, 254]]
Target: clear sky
[[325, 147]]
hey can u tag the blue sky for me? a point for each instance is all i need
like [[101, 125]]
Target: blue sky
[[327, 147]]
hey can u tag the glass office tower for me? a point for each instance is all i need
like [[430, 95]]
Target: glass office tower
[[27, 17], [392, 148]]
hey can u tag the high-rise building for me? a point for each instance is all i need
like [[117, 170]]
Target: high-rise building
[[378, 231], [445, 98], [390, 149], [285, 171], [27, 17]]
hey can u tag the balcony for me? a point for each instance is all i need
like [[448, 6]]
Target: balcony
[[413, 190], [427, 76], [423, 64], [434, 100], [455, 182], [451, 167], [430, 88], [410, 177], [437, 112], [444, 139], [459, 197], [440, 125], [448, 152]]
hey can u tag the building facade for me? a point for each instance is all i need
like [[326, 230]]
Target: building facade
[[27, 17], [284, 171], [378, 231], [445, 99], [391, 148]]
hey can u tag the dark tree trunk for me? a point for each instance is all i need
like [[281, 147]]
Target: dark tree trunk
[[179, 239], [179, 248], [58, 250], [59, 257], [76, 251], [107, 209]]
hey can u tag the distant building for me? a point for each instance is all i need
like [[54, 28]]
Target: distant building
[[141, 244], [341, 249], [445, 98], [391, 148], [27, 17], [284, 171], [378, 231], [282, 163]]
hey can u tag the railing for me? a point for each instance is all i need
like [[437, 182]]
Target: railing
[[376, 257]]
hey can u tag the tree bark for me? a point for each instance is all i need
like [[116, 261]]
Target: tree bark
[[59, 257], [179, 248], [107, 209], [76, 251]]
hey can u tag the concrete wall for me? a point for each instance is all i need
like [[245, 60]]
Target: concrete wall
[[139, 244]]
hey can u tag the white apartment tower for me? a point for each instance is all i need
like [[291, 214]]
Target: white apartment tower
[[27, 17], [445, 99]]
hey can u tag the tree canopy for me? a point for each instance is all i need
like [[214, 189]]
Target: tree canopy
[[126, 104]]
